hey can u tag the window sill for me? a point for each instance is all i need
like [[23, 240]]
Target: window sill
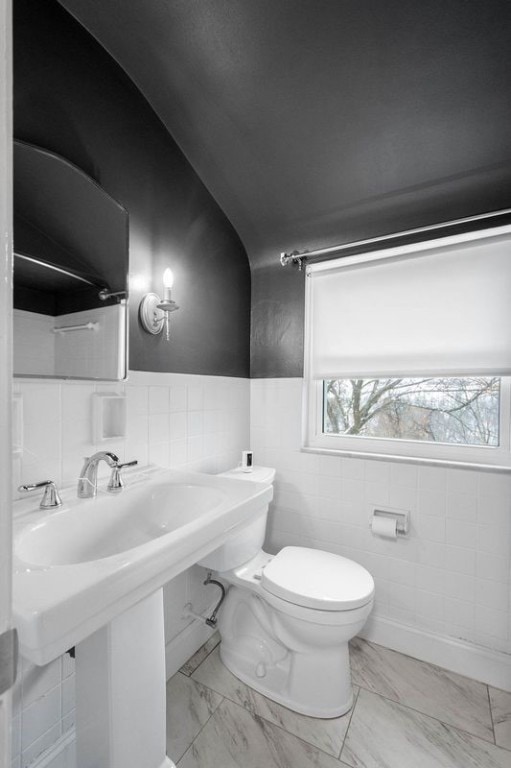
[[398, 458]]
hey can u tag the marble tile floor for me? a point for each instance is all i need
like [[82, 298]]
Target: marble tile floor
[[407, 714]]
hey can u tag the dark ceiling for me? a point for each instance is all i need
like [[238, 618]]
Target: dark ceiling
[[314, 122]]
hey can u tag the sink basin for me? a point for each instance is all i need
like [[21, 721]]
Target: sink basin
[[77, 568], [114, 525]]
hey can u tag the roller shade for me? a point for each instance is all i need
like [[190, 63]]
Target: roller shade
[[437, 308]]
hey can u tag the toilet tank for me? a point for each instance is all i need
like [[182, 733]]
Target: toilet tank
[[246, 543]]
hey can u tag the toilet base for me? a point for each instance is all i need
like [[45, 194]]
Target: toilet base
[[301, 682]]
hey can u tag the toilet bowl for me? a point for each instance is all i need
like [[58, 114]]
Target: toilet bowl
[[288, 618]]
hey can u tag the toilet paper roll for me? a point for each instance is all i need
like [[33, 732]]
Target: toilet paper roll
[[384, 526]]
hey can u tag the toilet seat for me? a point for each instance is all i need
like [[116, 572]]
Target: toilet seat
[[315, 579]]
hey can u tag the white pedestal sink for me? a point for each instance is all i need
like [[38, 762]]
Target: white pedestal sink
[[120, 691], [90, 575]]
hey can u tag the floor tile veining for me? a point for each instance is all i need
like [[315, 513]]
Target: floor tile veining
[[407, 714]]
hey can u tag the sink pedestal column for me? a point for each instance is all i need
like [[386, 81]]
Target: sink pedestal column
[[120, 691]]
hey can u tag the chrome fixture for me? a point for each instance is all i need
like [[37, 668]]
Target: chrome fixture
[[51, 498], [325, 253], [154, 312], [88, 480], [90, 326], [105, 294], [116, 483]]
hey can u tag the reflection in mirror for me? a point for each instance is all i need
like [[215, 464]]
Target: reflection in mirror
[[70, 271]]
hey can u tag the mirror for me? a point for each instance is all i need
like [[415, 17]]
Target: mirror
[[70, 271]]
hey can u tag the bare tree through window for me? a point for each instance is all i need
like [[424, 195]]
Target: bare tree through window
[[444, 410]]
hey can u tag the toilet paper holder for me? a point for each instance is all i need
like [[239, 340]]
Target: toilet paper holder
[[402, 518]]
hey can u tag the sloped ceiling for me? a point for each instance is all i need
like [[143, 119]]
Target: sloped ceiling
[[314, 121]]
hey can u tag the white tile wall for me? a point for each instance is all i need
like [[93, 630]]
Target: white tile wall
[[450, 576], [91, 353], [37, 349], [33, 343], [182, 421]]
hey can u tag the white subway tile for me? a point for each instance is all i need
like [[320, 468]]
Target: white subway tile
[[433, 479], [353, 469], [495, 510], [431, 502], [404, 474], [460, 559], [494, 484], [491, 538], [68, 695], [330, 465], [459, 612], [489, 566], [431, 528], [158, 428], [462, 506], [494, 623], [464, 481], [195, 424], [195, 398], [159, 401], [38, 681], [461, 534], [402, 497], [401, 571], [460, 586], [137, 398], [377, 471], [159, 454], [39, 717], [431, 553], [430, 606], [178, 398], [137, 426], [430, 579], [492, 594]]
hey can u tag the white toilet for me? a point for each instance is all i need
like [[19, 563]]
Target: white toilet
[[287, 618]]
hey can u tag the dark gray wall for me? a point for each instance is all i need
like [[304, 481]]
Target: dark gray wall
[[316, 122], [72, 98]]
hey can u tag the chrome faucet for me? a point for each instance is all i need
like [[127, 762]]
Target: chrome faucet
[[88, 480], [51, 498]]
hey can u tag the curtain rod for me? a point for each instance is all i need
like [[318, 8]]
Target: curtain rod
[[298, 258]]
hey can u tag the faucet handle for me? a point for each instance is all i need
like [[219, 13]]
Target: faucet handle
[[51, 496], [116, 483]]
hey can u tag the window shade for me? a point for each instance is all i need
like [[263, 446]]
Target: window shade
[[437, 308]]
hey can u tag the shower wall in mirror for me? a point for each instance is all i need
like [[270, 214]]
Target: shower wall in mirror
[[70, 271]]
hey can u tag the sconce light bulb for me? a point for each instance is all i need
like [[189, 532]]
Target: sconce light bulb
[[168, 278]]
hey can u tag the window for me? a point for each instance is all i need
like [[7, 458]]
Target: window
[[408, 351], [463, 411]]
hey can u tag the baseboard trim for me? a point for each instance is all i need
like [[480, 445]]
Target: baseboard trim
[[491, 667], [183, 646], [49, 757]]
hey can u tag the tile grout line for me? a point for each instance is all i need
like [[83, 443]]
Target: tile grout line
[[491, 715], [270, 722], [201, 729], [432, 717], [349, 724]]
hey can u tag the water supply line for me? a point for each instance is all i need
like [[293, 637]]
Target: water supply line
[[212, 620]]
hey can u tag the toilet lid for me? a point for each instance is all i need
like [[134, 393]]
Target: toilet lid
[[316, 579]]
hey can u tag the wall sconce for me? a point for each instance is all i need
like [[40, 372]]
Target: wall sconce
[[154, 312]]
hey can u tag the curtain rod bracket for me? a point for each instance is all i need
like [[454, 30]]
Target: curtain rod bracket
[[295, 257]]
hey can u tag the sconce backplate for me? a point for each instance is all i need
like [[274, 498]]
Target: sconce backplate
[[151, 317]]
